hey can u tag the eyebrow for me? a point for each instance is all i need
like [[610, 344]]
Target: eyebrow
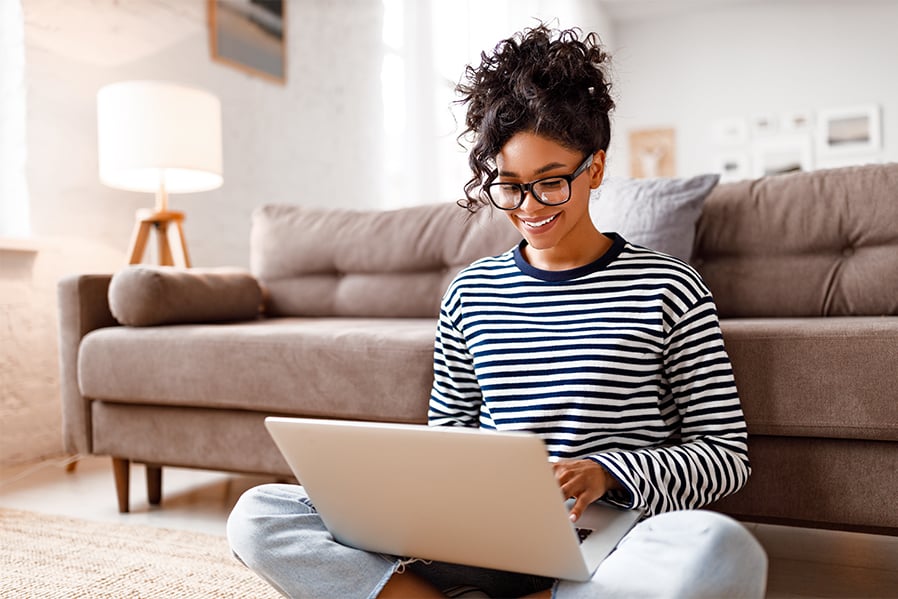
[[543, 169]]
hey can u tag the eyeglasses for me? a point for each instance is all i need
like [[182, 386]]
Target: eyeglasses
[[549, 191]]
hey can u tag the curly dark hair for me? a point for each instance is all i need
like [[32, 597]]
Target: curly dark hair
[[551, 83]]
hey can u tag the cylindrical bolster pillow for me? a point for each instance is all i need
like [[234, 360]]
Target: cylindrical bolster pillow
[[145, 295]]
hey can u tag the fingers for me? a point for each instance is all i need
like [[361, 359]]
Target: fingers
[[582, 480], [579, 507]]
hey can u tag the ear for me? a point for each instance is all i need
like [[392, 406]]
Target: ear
[[597, 169]]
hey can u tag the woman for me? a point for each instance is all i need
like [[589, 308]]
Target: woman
[[611, 352]]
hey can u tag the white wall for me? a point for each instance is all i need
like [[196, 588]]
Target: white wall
[[745, 60], [13, 214], [313, 141], [30, 412]]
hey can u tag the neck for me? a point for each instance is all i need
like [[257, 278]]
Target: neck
[[580, 250]]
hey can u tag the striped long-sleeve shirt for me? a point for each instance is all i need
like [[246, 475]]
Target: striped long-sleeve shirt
[[620, 361]]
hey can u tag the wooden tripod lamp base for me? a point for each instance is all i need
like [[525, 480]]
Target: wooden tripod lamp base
[[172, 248]]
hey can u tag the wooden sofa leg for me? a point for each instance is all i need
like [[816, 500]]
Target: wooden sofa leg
[[154, 484], [121, 469]]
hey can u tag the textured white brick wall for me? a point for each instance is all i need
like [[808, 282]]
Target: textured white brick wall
[[313, 141], [29, 404], [30, 416]]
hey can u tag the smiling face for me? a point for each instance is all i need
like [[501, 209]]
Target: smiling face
[[558, 237]]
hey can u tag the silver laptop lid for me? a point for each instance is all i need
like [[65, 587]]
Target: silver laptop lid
[[457, 495]]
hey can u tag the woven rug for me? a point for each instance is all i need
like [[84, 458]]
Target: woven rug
[[53, 556]]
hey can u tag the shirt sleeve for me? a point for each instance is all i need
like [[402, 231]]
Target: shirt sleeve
[[455, 399], [711, 459]]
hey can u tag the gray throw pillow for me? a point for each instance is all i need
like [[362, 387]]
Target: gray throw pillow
[[658, 213], [147, 295]]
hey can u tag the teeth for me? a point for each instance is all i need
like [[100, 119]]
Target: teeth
[[540, 223]]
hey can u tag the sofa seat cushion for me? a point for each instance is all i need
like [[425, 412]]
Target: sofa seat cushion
[[373, 369], [817, 377]]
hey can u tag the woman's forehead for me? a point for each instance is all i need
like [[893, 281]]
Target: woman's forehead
[[528, 153]]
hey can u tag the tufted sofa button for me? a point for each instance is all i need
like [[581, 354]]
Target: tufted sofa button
[[848, 252]]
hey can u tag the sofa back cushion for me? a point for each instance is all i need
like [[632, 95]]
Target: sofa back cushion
[[395, 263], [822, 243]]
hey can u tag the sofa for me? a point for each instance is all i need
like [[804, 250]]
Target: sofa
[[339, 312]]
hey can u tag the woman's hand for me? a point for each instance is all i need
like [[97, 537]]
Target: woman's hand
[[583, 480]]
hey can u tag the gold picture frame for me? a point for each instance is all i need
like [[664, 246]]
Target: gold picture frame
[[250, 35], [653, 153]]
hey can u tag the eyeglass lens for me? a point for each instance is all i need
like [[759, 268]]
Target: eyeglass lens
[[550, 191]]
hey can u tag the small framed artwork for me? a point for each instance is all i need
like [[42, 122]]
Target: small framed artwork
[[782, 154], [852, 130], [652, 153], [249, 35], [799, 121], [732, 166], [764, 125], [730, 131]]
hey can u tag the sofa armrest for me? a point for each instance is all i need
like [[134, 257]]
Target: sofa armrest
[[83, 307]]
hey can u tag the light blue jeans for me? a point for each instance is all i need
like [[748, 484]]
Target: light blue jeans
[[276, 531]]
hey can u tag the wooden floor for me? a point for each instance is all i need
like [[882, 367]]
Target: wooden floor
[[803, 562]]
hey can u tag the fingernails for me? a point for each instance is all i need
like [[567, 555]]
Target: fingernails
[[573, 517]]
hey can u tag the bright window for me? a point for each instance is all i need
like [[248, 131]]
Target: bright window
[[14, 220], [427, 44]]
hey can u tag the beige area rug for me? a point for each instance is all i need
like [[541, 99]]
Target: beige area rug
[[53, 556]]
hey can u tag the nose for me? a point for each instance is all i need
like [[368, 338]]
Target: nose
[[530, 203]]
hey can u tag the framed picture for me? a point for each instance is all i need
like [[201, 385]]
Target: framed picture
[[799, 121], [730, 131], [249, 35], [652, 153], [782, 154], [764, 125], [853, 130], [732, 166]]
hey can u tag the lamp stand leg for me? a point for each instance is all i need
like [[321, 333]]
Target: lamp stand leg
[[138, 241], [165, 257], [172, 248], [182, 258]]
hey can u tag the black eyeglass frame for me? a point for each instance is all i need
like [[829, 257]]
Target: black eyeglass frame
[[526, 188]]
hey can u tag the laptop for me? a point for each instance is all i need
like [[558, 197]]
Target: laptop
[[449, 494]]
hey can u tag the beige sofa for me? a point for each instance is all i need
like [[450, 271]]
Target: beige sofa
[[804, 268]]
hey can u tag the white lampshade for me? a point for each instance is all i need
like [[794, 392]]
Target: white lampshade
[[155, 134]]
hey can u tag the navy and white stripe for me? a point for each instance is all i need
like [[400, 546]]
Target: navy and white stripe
[[621, 361]]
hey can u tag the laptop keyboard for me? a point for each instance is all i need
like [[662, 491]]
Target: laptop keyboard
[[582, 533]]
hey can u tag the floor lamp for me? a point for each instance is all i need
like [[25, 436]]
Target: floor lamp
[[159, 137]]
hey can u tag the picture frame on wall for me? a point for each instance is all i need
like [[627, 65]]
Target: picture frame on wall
[[732, 166], [730, 131], [797, 121], [849, 130], [652, 153], [249, 35], [764, 125], [782, 154]]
